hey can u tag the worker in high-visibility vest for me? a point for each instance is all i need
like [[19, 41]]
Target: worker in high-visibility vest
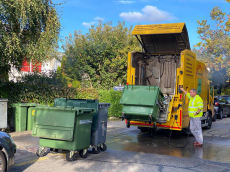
[[195, 110]]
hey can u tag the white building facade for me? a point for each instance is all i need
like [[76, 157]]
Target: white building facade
[[28, 67]]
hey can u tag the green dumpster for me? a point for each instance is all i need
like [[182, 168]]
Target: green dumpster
[[99, 121], [86, 103], [30, 116], [20, 115], [64, 128], [141, 103]]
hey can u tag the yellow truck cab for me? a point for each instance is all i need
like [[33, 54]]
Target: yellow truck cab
[[165, 63]]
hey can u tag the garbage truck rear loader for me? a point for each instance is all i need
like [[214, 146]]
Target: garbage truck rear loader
[[152, 97]]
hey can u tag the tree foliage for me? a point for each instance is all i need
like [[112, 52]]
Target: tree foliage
[[215, 41], [51, 78], [99, 57], [28, 29], [217, 76]]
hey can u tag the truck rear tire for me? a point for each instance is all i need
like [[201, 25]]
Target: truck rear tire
[[209, 121], [143, 129], [228, 115], [221, 114], [214, 117]]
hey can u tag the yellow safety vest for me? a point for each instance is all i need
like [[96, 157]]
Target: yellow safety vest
[[195, 103]]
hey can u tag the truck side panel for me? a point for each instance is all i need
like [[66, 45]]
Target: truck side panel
[[187, 79], [130, 71], [202, 83]]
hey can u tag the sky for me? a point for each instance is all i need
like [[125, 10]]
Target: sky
[[81, 14]]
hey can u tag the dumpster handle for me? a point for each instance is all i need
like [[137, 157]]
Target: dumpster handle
[[85, 121], [103, 121], [88, 110]]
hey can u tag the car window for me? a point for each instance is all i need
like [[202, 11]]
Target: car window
[[222, 100], [227, 99]]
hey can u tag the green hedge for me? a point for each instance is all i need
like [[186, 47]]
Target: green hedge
[[41, 94], [87, 93], [45, 94], [112, 97]]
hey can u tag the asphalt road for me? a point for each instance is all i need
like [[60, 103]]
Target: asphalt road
[[131, 150]]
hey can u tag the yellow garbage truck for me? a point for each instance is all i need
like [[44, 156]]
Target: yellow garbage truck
[[152, 98]]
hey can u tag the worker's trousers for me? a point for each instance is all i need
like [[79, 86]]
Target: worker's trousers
[[195, 127]]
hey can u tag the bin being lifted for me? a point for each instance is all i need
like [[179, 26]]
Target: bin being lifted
[[142, 103], [64, 128]]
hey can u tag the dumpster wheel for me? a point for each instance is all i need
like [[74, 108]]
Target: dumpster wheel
[[68, 157], [40, 153], [103, 147], [82, 154], [96, 151], [53, 150], [128, 124], [12, 129]]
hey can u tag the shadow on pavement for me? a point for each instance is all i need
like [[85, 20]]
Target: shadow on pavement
[[26, 157]]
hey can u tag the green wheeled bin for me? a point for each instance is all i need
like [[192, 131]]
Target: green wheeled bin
[[141, 103], [86, 103], [31, 115], [98, 135], [99, 122], [64, 128], [21, 121]]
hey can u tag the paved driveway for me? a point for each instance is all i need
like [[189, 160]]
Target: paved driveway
[[131, 150]]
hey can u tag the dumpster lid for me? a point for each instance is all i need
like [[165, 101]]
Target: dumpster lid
[[24, 104], [163, 38], [84, 103], [140, 95], [3, 100], [79, 110]]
